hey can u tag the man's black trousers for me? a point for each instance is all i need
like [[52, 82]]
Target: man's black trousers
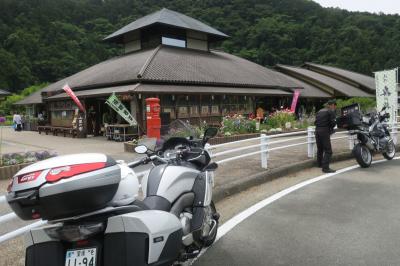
[[323, 139]]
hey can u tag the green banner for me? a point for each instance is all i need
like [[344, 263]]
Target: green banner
[[120, 108]]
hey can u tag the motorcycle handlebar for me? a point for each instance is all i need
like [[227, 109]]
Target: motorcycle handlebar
[[155, 157], [139, 162]]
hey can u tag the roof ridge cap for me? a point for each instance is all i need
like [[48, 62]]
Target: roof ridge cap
[[148, 61]]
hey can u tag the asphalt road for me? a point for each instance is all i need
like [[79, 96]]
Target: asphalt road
[[348, 219]]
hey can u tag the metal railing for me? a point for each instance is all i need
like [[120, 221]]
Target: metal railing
[[264, 150], [266, 141]]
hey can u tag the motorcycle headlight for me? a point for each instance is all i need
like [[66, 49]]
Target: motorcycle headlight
[[73, 233]]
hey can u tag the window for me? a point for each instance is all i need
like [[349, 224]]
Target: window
[[205, 110], [194, 110], [215, 109], [173, 42]]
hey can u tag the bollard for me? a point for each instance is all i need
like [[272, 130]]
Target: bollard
[[264, 151], [394, 133], [311, 142]]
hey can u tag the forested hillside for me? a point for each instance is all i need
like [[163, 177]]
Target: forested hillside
[[45, 40]]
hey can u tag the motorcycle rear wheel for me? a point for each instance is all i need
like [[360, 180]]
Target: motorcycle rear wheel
[[390, 152], [363, 155]]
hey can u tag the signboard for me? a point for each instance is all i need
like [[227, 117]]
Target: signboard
[[296, 96], [71, 94], [120, 108], [386, 92]]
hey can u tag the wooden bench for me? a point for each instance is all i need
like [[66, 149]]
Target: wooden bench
[[46, 129], [64, 131], [57, 130]]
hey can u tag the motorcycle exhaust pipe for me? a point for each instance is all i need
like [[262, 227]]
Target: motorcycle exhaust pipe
[[370, 145]]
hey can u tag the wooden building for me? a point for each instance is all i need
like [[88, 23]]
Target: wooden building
[[169, 55]]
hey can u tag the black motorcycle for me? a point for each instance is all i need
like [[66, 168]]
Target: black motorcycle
[[372, 132]]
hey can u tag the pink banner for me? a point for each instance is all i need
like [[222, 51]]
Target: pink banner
[[71, 94], [296, 96]]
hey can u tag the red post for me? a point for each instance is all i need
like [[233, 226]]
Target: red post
[[153, 117]]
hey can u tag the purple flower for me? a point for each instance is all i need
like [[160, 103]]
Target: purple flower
[[2, 119]]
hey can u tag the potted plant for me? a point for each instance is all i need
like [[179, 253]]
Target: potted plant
[[130, 146]]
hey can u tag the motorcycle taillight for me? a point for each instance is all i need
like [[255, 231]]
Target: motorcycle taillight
[[56, 174], [74, 233]]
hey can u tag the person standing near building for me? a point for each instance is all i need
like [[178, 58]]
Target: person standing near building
[[325, 123], [17, 120]]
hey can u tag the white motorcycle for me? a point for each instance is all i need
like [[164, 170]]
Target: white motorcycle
[[90, 203]]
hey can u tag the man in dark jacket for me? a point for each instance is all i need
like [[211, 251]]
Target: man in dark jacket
[[325, 123]]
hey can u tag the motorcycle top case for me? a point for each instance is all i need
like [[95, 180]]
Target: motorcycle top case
[[351, 117], [64, 186]]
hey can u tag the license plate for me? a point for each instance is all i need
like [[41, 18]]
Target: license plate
[[81, 257]]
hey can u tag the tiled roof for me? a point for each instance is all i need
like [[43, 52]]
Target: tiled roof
[[167, 17], [116, 70], [34, 98], [177, 66], [180, 65], [170, 88], [195, 89], [340, 88], [96, 92], [363, 80]]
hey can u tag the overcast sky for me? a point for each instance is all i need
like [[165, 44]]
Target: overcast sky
[[374, 6]]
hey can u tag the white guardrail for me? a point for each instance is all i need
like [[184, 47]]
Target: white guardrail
[[264, 150]]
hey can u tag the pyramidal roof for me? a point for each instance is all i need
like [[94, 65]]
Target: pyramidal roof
[[167, 17]]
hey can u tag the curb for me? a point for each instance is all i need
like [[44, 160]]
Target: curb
[[240, 185]]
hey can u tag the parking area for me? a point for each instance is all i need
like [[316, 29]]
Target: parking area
[[32, 141]]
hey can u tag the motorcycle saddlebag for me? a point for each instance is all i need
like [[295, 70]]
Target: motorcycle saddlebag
[[64, 186], [152, 238]]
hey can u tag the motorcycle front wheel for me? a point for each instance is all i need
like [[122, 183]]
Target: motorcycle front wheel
[[390, 151], [363, 155]]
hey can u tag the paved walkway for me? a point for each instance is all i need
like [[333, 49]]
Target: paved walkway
[[33, 141]]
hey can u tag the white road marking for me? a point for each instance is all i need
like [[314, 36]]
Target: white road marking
[[237, 219]]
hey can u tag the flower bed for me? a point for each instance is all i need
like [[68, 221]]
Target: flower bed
[[25, 157], [11, 163], [6, 172], [277, 122]]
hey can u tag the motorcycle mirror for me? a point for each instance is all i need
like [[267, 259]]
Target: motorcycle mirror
[[141, 149], [210, 133]]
